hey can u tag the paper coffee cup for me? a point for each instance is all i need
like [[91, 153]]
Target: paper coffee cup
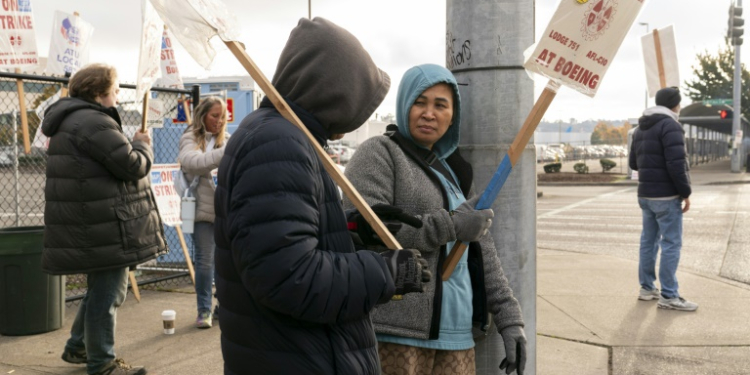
[[168, 317]]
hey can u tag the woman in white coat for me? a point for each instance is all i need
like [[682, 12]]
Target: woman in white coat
[[201, 148]]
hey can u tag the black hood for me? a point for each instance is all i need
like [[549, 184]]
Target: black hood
[[58, 111], [326, 71]]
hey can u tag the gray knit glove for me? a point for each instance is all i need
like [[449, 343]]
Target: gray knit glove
[[515, 349], [470, 224]]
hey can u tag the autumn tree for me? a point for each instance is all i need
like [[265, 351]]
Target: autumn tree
[[714, 78], [607, 134]]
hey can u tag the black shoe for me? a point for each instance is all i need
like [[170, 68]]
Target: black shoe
[[216, 312], [75, 358], [119, 367]]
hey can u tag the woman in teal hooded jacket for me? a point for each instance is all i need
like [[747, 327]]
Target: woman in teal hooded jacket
[[417, 167]]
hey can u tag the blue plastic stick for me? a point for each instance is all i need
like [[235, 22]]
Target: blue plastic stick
[[496, 183]]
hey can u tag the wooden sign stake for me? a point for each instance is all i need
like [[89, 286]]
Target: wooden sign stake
[[660, 60], [364, 209], [514, 153], [134, 285], [24, 117], [185, 252]]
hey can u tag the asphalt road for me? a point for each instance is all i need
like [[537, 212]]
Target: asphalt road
[[607, 220]]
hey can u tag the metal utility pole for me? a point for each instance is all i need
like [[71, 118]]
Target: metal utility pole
[[485, 41], [734, 33]]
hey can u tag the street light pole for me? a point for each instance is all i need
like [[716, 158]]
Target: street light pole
[[309, 9], [647, 31]]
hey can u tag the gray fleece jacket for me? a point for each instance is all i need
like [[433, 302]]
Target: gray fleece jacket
[[383, 172]]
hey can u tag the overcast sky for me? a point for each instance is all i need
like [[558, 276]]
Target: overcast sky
[[400, 34]]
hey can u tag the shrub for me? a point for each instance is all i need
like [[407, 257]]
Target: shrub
[[607, 164], [552, 167], [581, 168]]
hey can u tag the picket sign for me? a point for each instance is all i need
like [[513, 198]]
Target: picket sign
[[576, 49], [660, 60]]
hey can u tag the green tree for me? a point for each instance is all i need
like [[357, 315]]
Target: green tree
[[714, 78]]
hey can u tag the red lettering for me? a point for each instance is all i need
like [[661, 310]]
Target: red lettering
[[542, 56], [560, 64], [594, 81], [585, 77], [11, 5], [168, 42], [576, 70], [567, 68]]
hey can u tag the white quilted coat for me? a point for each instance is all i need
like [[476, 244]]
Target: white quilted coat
[[195, 162]]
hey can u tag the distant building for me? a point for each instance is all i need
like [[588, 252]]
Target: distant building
[[369, 129]]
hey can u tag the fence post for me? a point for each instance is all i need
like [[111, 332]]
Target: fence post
[[15, 167], [196, 96]]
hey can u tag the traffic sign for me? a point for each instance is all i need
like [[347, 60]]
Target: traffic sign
[[718, 102]]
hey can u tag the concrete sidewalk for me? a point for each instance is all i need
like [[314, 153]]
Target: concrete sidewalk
[[590, 321]]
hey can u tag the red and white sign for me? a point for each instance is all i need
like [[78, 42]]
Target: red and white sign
[[149, 66], [170, 75], [230, 110], [17, 39], [162, 184], [69, 46], [581, 41]]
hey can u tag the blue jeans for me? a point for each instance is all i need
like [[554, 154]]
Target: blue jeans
[[203, 238], [662, 226], [93, 329]]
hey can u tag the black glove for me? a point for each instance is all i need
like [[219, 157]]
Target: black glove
[[408, 269], [392, 216], [515, 349]]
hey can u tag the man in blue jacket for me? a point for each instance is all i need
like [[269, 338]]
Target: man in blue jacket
[[658, 154], [295, 295]]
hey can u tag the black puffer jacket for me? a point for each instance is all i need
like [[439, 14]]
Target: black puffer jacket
[[100, 212], [658, 154], [295, 296]]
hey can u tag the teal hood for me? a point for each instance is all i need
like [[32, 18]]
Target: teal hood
[[414, 82]]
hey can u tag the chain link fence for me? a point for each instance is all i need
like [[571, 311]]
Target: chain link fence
[[23, 178]]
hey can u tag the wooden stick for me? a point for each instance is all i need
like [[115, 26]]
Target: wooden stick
[[364, 209], [145, 111], [134, 285], [660, 60], [506, 165], [24, 117], [185, 252]]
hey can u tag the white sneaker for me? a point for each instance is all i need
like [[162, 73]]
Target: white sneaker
[[649, 295], [677, 303]]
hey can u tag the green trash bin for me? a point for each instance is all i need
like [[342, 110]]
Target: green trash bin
[[31, 301]]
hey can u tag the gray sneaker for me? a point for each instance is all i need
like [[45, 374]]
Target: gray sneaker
[[648, 295], [677, 303]]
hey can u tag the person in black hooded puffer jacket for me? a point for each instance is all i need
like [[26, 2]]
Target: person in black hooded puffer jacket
[[295, 295]]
